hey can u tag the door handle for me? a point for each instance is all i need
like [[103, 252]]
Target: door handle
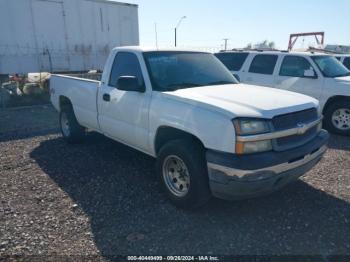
[[107, 97]]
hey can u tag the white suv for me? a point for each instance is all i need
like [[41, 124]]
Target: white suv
[[318, 75]]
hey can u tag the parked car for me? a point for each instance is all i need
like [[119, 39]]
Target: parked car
[[345, 59], [320, 76], [209, 134]]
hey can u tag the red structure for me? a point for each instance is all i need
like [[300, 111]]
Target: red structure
[[294, 37]]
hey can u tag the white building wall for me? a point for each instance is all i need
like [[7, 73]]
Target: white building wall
[[63, 35]]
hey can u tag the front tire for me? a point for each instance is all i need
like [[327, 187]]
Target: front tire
[[337, 118], [182, 170], [71, 131]]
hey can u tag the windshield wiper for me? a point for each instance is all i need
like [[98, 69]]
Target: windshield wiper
[[174, 87], [220, 83], [347, 74]]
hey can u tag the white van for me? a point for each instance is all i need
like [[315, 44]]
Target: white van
[[318, 75]]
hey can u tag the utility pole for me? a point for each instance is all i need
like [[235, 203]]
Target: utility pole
[[155, 29], [226, 40], [177, 26], [175, 37]]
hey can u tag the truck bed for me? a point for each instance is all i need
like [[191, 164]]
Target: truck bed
[[82, 93]]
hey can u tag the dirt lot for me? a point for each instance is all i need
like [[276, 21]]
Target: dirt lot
[[101, 198]]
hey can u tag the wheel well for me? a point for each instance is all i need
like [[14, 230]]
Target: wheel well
[[65, 102], [166, 134], [333, 100]]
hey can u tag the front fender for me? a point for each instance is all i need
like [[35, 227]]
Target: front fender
[[214, 130]]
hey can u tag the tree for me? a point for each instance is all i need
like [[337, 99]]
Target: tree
[[249, 46], [266, 44], [272, 45]]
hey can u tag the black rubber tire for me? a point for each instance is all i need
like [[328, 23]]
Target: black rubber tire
[[327, 123], [77, 132], [193, 156]]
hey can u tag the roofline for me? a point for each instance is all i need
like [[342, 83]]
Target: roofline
[[253, 51], [342, 55], [114, 2], [310, 53], [145, 49]]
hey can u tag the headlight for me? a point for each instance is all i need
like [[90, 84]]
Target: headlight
[[246, 127], [251, 126], [253, 147]]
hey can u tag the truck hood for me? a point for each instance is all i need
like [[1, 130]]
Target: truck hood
[[245, 100]]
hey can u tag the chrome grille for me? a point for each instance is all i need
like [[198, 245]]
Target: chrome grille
[[292, 120]]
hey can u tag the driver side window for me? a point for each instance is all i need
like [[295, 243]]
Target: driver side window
[[125, 64], [295, 66]]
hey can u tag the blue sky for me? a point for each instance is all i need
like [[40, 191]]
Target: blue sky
[[209, 21]]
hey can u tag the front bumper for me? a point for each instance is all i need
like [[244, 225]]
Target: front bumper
[[247, 176]]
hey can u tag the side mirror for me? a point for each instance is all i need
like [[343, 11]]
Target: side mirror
[[130, 83], [309, 73]]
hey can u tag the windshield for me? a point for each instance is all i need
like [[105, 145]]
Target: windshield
[[170, 71], [330, 66]]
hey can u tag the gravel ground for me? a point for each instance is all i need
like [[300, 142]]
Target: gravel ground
[[101, 199]]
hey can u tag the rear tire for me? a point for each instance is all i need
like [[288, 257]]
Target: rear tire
[[182, 170], [337, 118], [71, 131]]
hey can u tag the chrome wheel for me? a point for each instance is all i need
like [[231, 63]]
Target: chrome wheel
[[341, 118], [65, 125], [176, 176]]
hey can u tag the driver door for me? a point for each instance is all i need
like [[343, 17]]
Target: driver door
[[123, 115], [296, 74]]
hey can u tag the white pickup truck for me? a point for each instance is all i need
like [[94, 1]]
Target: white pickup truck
[[209, 134]]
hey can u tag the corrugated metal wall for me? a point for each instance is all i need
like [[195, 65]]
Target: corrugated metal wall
[[63, 35]]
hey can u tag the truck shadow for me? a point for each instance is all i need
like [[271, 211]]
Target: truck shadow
[[115, 186], [339, 142], [18, 135]]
